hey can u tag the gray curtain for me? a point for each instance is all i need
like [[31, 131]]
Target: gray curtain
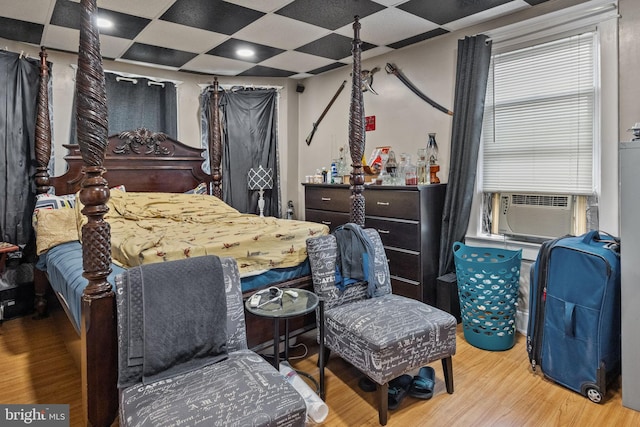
[[205, 99], [249, 140], [474, 55], [143, 104], [19, 82]]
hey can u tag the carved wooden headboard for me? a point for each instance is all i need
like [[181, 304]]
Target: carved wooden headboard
[[141, 160]]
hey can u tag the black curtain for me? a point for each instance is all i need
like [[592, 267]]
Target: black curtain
[[249, 139], [474, 55], [19, 82], [145, 103]]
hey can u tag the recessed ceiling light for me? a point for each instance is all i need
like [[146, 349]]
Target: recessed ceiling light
[[245, 52], [104, 23]]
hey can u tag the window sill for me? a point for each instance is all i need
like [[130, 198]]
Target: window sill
[[529, 249]]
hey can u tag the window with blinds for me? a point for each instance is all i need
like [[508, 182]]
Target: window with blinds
[[540, 125]]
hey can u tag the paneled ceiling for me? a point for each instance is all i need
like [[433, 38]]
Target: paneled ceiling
[[288, 38]]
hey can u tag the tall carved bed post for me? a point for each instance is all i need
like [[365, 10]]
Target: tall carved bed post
[[98, 323], [215, 148], [43, 155], [356, 131]]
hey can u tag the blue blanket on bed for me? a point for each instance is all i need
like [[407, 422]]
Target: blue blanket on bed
[[63, 265]]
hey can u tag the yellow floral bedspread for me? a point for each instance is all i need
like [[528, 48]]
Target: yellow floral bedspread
[[155, 227]]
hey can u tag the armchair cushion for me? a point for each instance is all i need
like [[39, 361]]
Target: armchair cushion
[[243, 390], [386, 336]]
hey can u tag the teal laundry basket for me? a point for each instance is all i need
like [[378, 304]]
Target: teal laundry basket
[[488, 282]]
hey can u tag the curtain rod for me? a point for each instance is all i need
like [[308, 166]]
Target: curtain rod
[[131, 76], [22, 53], [226, 86]]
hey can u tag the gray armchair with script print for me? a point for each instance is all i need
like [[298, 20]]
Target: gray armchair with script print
[[189, 364]]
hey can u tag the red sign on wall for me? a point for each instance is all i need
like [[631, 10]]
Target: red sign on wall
[[370, 123]]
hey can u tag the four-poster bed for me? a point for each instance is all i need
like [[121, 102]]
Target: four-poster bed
[[100, 162]]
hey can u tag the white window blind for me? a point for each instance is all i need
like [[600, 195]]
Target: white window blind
[[539, 121]]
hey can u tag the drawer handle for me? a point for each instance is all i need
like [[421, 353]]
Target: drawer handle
[[326, 222], [325, 199], [383, 231], [383, 203]]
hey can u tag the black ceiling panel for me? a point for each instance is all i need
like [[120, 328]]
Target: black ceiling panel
[[13, 29], [262, 71], [442, 12], [158, 55], [228, 50], [334, 46], [67, 14], [327, 68], [331, 14], [212, 15], [418, 38], [125, 26]]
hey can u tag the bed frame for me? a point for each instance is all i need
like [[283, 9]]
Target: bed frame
[[99, 162]]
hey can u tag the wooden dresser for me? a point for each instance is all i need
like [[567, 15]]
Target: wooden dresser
[[408, 220]]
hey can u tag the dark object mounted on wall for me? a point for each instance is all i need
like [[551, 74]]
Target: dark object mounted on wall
[[392, 69], [300, 88], [317, 122]]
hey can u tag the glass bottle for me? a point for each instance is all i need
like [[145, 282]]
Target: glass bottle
[[422, 167], [410, 172], [432, 155], [392, 168], [405, 159], [432, 149]]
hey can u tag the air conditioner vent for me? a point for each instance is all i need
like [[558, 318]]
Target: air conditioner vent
[[536, 216], [540, 200]]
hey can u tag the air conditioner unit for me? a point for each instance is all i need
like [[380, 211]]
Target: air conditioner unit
[[536, 216]]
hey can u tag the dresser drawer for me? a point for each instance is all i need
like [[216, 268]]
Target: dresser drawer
[[400, 234], [393, 204], [404, 264], [327, 199], [406, 288], [331, 219]]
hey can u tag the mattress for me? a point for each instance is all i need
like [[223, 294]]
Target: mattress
[[63, 265]]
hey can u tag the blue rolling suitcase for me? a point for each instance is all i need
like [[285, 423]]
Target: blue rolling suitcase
[[573, 335]]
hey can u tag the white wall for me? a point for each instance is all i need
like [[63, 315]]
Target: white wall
[[403, 120]]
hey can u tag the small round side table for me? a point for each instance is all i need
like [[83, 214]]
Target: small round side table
[[285, 308]]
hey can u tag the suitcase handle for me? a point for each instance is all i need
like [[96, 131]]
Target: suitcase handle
[[569, 318], [612, 243]]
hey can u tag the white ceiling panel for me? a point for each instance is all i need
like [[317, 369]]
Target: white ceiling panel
[[216, 65], [180, 37], [281, 32]]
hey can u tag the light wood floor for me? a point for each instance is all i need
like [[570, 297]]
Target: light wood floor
[[491, 388]]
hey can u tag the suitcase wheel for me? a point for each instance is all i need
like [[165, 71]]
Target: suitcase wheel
[[594, 395]]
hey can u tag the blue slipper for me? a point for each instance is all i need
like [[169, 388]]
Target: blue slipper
[[398, 388], [423, 384]]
